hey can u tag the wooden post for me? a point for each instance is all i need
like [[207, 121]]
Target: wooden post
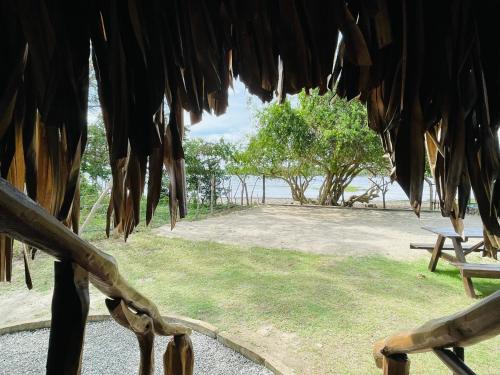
[[212, 194], [178, 358], [263, 189], [70, 307], [397, 364]]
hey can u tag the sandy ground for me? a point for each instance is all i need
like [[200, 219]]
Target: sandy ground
[[322, 230]]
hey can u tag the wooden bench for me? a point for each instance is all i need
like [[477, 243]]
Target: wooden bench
[[430, 246], [467, 249], [485, 271]]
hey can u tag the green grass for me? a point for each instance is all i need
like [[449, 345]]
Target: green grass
[[325, 311], [351, 189], [95, 229]]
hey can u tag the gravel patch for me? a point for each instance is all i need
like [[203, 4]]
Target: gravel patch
[[112, 349]]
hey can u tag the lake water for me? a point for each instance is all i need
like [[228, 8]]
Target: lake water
[[276, 188]]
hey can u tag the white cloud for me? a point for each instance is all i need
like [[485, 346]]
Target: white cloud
[[235, 124]]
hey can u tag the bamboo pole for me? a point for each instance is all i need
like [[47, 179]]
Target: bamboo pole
[[95, 206]]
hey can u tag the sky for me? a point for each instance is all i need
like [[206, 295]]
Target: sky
[[235, 125]]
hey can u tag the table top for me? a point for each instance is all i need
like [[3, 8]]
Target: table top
[[450, 232]]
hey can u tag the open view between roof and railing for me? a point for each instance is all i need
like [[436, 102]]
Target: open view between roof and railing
[[305, 216]]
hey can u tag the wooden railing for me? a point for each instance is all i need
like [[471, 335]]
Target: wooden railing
[[479, 322], [26, 221]]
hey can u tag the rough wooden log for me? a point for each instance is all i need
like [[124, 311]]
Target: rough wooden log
[[26, 221], [142, 326], [366, 197], [70, 307], [178, 358], [477, 323]]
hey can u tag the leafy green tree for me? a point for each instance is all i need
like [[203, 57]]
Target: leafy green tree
[[95, 163], [282, 148], [322, 135], [343, 145], [205, 161]]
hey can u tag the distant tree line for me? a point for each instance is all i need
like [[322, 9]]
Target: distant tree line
[[314, 136]]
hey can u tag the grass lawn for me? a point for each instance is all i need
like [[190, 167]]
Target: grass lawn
[[317, 314], [95, 228]]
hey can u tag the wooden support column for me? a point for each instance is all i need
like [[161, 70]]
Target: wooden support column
[[396, 364], [179, 358], [70, 307]]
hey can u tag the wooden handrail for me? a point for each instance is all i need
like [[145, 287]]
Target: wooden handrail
[[479, 322], [26, 221]]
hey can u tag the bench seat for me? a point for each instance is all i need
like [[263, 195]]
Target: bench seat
[[429, 246], [489, 271]]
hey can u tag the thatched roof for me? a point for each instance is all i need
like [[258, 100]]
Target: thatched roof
[[427, 72]]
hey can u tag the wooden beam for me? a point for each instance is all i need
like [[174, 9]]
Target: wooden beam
[[479, 322], [26, 221], [70, 307]]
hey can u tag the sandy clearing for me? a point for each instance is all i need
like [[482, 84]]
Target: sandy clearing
[[320, 230]]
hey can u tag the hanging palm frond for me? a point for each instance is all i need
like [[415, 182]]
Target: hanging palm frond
[[428, 74]]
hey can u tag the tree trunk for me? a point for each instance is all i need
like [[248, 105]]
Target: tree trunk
[[325, 189], [263, 189], [246, 193], [212, 194]]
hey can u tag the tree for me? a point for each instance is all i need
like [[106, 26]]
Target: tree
[[322, 135], [206, 161], [240, 165], [95, 163], [280, 148], [343, 145]]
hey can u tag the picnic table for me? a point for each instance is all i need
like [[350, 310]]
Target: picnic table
[[467, 270]]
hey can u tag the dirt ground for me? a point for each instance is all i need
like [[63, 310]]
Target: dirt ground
[[322, 230]]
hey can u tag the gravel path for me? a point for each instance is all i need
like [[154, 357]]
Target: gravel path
[[112, 349]]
